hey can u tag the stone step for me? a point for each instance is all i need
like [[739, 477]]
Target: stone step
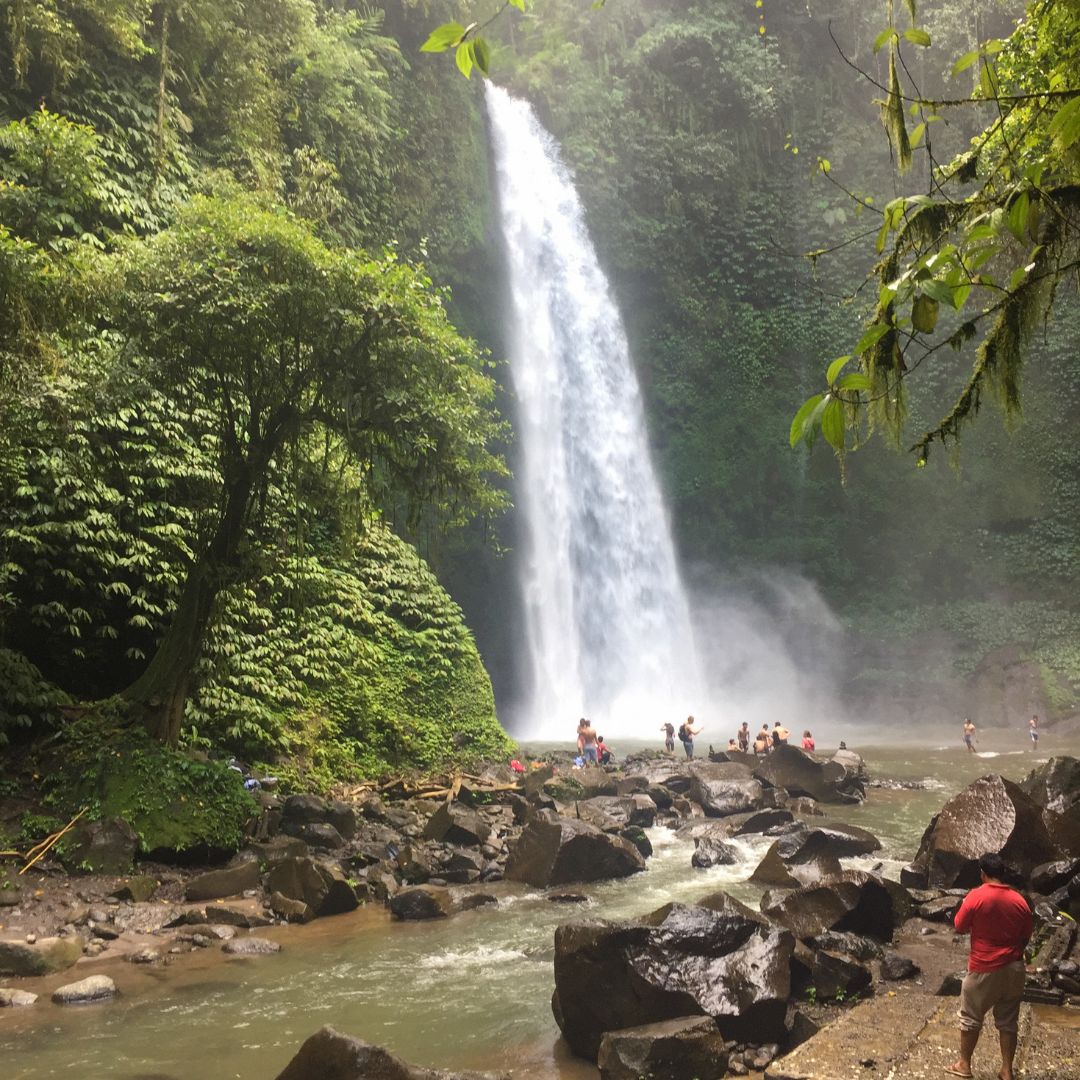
[[911, 1036]]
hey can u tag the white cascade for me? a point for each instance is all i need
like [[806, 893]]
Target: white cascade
[[608, 627]]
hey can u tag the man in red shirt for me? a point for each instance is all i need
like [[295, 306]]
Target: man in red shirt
[[999, 921]]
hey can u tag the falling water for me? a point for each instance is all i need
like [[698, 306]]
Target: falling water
[[608, 626]]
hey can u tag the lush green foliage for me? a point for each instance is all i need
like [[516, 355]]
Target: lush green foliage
[[201, 384]]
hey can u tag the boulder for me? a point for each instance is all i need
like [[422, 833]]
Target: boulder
[[321, 886], [316, 834], [762, 821], [343, 817], [102, 847], [632, 785], [250, 946], [991, 814], [43, 957], [678, 961], [269, 853], [852, 900], [138, 889], [553, 850], [625, 810], [1055, 785], [837, 976], [421, 902], [95, 988], [329, 1055], [639, 838], [857, 945], [304, 809], [1050, 877], [228, 881], [463, 867], [457, 825], [290, 910], [14, 999], [805, 867], [799, 774], [686, 1048], [708, 851], [895, 967], [723, 788]]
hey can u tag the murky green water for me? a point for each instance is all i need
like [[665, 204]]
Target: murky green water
[[469, 992]]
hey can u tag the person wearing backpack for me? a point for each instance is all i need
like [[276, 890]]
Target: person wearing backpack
[[687, 731]]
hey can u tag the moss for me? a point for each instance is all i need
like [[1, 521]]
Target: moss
[[565, 789]]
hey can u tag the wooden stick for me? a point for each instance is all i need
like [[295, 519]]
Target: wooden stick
[[455, 787], [48, 842]]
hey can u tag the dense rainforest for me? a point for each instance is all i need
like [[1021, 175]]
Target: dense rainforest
[[241, 247]]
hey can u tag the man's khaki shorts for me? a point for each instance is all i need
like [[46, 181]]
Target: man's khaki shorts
[[1000, 990]]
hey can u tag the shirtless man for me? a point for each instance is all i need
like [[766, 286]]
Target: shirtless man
[[969, 735], [743, 735], [1033, 731], [589, 748]]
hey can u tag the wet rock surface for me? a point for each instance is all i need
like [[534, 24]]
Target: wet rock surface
[[679, 961], [686, 1048], [330, 1055], [992, 814], [85, 991], [553, 850]]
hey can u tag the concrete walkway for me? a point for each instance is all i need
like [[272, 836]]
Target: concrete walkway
[[913, 1036]]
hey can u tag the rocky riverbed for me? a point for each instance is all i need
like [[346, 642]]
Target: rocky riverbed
[[712, 980]]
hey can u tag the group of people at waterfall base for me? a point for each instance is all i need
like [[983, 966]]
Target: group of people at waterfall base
[[764, 742], [969, 733], [592, 750]]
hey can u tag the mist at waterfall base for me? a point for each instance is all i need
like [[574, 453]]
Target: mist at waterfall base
[[609, 629]]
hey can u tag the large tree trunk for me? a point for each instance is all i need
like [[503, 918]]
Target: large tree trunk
[[159, 695]]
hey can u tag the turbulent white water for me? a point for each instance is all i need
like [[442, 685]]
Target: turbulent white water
[[608, 625]]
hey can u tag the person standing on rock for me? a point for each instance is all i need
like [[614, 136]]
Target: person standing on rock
[[969, 735], [743, 735], [589, 748], [1033, 731], [687, 731], [669, 737], [999, 921], [763, 742], [808, 741]]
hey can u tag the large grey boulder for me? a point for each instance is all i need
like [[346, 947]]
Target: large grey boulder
[[251, 946], [421, 902], [802, 867], [11, 998], [710, 851], [852, 900], [329, 1055], [320, 887], [679, 961], [554, 850], [840, 780], [44, 957], [228, 881], [102, 847], [625, 810], [94, 988], [724, 788], [990, 815], [687, 1048], [458, 825], [1055, 785]]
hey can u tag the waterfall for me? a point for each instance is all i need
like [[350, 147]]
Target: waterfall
[[608, 627]]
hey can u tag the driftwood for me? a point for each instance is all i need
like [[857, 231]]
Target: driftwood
[[40, 850], [444, 793]]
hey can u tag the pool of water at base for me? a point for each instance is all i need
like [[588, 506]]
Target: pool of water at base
[[472, 991]]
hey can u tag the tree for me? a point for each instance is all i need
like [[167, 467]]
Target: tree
[[241, 307], [981, 253]]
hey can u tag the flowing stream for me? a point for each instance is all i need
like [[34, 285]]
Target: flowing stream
[[608, 624], [472, 991]]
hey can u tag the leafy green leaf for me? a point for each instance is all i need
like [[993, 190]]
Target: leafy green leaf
[[917, 134], [482, 54], [443, 37], [464, 58], [966, 61], [835, 368], [924, 313], [798, 423], [519, 4], [1017, 217], [857, 380], [1065, 126], [832, 423], [917, 36], [871, 337], [884, 38]]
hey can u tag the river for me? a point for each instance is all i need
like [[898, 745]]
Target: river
[[472, 991]]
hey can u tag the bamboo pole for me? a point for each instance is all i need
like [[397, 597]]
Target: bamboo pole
[[42, 848]]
